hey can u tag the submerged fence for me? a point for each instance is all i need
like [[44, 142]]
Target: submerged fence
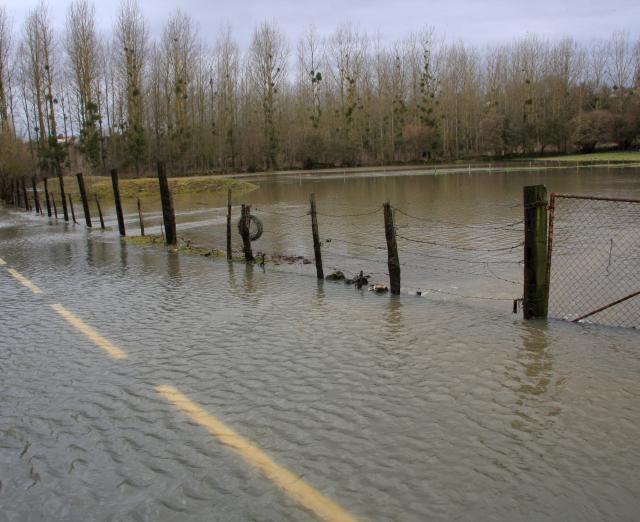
[[594, 259], [584, 265]]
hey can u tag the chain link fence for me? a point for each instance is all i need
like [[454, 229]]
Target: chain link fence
[[594, 260]]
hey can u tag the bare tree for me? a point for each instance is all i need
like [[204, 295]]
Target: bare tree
[[131, 46], [83, 55], [268, 56]]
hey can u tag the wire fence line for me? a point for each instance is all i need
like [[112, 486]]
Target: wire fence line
[[461, 252], [436, 240]]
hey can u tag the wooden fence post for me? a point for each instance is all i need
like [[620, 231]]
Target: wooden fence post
[[316, 237], [73, 214], [392, 249], [14, 193], [36, 198], [229, 253], [27, 207], [168, 212], [99, 212], [63, 197], [55, 208], [535, 301], [85, 201], [46, 196], [140, 218], [116, 198], [245, 221]]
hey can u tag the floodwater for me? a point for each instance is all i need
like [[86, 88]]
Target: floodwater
[[408, 409], [459, 235]]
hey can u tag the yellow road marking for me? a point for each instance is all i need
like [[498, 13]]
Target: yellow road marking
[[94, 336], [2, 262], [24, 281], [290, 483]]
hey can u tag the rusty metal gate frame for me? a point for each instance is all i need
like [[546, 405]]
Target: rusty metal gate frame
[[552, 209]]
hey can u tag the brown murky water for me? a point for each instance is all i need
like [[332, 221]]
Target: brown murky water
[[396, 408]]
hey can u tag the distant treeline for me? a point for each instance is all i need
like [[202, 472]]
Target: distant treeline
[[76, 100]]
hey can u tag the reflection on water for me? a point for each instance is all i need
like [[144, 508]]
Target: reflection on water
[[124, 256], [249, 286], [535, 375], [536, 358], [393, 316], [174, 275]]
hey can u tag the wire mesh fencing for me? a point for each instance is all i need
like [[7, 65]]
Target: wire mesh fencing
[[594, 260]]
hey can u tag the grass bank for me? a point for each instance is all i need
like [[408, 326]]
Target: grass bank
[[147, 187], [633, 156]]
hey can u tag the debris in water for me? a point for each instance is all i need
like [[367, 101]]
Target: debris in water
[[336, 276], [379, 288]]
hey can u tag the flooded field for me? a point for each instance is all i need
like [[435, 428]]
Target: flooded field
[[459, 235], [437, 407]]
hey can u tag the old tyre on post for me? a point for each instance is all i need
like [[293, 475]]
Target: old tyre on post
[[255, 227]]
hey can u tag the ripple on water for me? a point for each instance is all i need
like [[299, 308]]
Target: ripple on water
[[406, 409]]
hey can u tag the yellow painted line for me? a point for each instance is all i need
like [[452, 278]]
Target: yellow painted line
[[291, 484], [2, 262], [24, 281], [94, 336]]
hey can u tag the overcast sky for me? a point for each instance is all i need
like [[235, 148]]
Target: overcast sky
[[474, 21]]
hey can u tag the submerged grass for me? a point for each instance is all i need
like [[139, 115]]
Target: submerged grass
[[597, 156], [183, 246], [147, 187]]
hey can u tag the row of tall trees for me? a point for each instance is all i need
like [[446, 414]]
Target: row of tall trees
[[72, 98]]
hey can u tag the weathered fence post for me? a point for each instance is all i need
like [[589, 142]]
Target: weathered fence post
[[55, 208], [168, 213], [116, 198], [27, 207], [245, 221], [36, 198], [63, 197], [392, 249], [140, 218], [73, 214], [85, 201], [316, 237], [14, 193], [535, 299], [46, 196], [229, 253], [99, 212]]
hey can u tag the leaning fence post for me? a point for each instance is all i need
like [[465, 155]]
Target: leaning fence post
[[140, 218], [27, 207], [73, 214], [36, 198], [168, 213], [85, 201], [63, 197], [99, 212], [116, 198], [229, 253], [316, 237], [53, 200], [535, 301], [392, 249], [245, 220], [46, 196]]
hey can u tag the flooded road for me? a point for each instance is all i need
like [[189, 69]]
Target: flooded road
[[386, 408]]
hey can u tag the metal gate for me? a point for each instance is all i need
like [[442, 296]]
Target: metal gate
[[594, 259]]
